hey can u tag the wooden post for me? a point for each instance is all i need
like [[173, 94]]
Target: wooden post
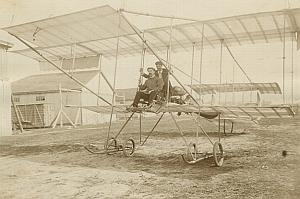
[[17, 114]]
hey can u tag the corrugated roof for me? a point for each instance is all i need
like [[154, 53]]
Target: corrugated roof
[[50, 82]]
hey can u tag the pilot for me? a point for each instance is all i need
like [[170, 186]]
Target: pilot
[[161, 73], [149, 90]]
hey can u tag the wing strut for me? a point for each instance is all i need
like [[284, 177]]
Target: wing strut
[[60, 69], [149, 47]]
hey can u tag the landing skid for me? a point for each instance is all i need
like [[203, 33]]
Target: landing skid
[[112, 147]]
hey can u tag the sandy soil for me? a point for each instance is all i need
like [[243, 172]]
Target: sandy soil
[[51, 163]]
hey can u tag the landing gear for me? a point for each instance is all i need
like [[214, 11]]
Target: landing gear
[[190, 156], [128, 147], [112, 147], [218, 154]]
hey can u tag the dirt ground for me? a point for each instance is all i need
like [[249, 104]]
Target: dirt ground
[[51, 163]]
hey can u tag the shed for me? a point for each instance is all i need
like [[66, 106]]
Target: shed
[[39, 101]]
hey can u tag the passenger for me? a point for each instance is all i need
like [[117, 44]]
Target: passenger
[[162, 73], [149, 90]]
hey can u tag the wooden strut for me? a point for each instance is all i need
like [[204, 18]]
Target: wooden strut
[[153, 129], [17, 114], [123, 126], [169, 61], [60, 69], [283, 61], [143, 52], [61, 113], [203, 131], [292, 73], [192, 70], [160, 59], [220, 74], [114, 83], [37, 110], [179, 129], [149, 47], [99, 76]]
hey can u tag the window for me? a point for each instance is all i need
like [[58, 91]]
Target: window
[[16, 99], [40, 98]]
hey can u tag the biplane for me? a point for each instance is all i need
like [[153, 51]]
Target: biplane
[[107, 32]]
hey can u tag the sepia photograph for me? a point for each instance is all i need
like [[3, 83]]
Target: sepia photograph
[[149, 99]]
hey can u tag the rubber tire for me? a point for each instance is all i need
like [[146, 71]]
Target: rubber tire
[[125, 145], [216, 149]]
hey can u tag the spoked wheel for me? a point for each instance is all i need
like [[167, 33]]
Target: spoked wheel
[[190, 156], [111, 146], [128, 147], [218, 154]]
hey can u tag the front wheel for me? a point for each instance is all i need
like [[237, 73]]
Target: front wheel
[[128, 147]]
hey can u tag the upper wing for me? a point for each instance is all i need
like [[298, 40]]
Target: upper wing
[[94, 32]]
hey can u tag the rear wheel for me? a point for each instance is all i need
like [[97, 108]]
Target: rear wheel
[[218, 154]]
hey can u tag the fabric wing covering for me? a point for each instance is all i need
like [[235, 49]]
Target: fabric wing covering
[[210, 112], [94, 31], [245, 112], [263, 88]]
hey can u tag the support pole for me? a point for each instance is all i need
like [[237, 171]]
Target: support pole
[[140, 128], [233, 81], [141, 80], [200, 67], [179, 129], [73, 49], [192, 71], [61, 106], [142, 64], [220, 72], [292, 72], [114, 83], [81, 119], [60, 69], [128, 119], [283, 62], [17, 114], [237, 63], [169, 60], [160, 59], [38, 112], [152, 129], [99, 76], [219, 127]]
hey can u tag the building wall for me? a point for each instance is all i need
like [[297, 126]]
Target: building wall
[[5, 108], [53, 102], [85, 98], [5, 95]]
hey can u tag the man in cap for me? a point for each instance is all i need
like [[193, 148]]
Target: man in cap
[[163, 74], [149, 90]]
